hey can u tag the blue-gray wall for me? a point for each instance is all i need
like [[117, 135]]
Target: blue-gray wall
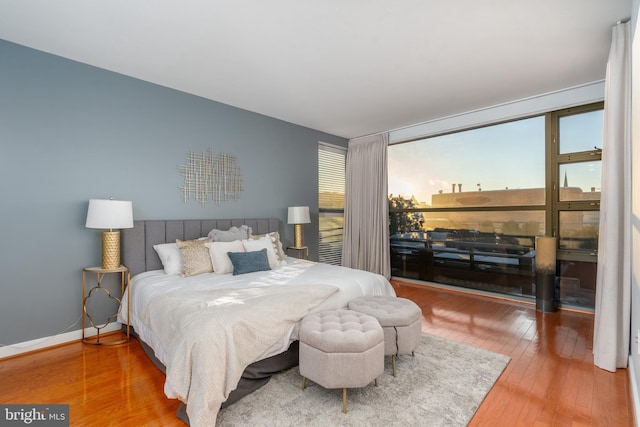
[[70, 132]]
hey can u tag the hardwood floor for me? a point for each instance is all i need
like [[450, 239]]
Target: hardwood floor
[[550, 381], [104, 386]]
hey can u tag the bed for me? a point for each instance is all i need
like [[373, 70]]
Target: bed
[[216, 335]]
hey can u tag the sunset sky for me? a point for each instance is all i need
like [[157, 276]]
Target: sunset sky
[[510, 155]]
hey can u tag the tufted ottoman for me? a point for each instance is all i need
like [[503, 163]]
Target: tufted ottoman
[[341, 349], [401, 320]]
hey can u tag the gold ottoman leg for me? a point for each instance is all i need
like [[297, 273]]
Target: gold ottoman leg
[[344, 400], [393, 364], [304, 382]]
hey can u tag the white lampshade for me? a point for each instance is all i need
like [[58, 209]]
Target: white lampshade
[[109, 214], [299, 215]]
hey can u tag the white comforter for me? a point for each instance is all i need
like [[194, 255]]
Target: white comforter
[[196, 327], [351, 284]]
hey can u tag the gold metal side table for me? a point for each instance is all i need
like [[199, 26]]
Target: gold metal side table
[[302, 250], [86, 294]]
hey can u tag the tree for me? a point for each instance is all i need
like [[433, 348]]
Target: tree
[[404, 222]]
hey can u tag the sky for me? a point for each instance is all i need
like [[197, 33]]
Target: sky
[[510, 155]]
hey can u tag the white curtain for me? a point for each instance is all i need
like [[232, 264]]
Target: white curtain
[[366, 211], [613, 283]]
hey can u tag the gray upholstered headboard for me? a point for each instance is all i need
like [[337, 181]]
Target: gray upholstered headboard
[[137, 242]]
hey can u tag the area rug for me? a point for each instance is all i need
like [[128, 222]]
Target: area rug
[[443, 385]]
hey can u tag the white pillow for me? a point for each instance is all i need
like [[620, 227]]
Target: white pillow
[[170, 257], [219, 258], [277, 244], [251, 245]]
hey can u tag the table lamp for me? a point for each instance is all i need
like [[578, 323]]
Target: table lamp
[[298, 215], [110, 214]]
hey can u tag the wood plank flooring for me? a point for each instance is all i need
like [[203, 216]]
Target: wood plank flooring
[[550, 381]]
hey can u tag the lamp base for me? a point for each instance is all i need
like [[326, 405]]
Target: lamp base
[[298, 236], [110, 249]]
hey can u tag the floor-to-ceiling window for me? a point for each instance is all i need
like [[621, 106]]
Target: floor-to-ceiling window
[[465, 207], [331, 188], [575, 173]]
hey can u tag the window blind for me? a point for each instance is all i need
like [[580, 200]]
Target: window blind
[[331, 188]]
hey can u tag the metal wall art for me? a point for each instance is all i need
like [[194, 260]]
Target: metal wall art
[[211, 177]]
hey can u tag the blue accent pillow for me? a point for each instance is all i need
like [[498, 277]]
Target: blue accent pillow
[[248, 262]]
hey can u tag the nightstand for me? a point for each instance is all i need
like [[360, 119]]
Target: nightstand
[[100, 273], [302, 250]]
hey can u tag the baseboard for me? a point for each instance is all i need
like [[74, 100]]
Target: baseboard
[[54, 340], [634, 391]]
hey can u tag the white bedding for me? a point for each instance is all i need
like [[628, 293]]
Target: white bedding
[[351, 283]]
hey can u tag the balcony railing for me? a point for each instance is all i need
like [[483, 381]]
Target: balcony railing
[[466, 258]]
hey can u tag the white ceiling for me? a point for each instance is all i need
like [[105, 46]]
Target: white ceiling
[[348, 67]]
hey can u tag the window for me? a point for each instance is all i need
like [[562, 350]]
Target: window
[[331, 188], [575, 171], [465, 207]]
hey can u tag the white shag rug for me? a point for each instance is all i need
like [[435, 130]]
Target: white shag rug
[[443, 385]]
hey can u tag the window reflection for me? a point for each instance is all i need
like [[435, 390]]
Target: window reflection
[[579, 230]]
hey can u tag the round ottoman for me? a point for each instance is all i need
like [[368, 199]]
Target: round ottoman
[[401, 321], [341, 349]]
